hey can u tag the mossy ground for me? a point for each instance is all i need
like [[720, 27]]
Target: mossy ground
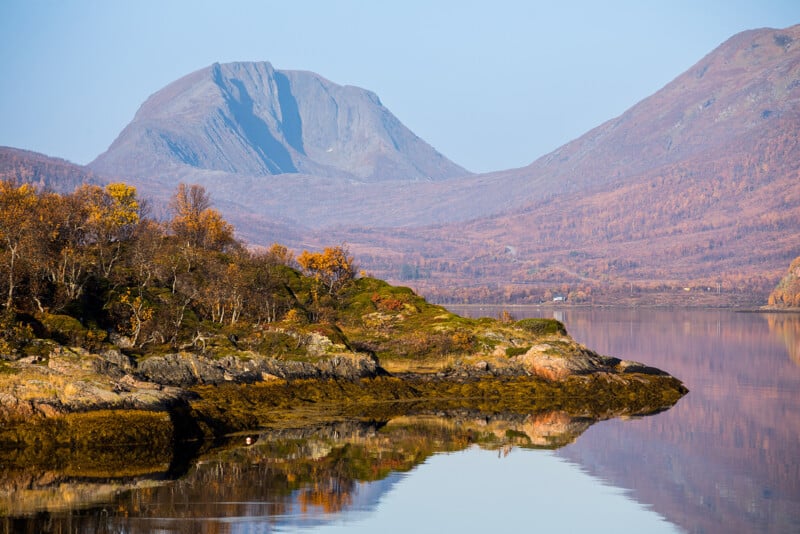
[[231, 408], [407, 334]]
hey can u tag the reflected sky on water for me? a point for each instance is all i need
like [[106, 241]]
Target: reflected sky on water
[[488, 491]]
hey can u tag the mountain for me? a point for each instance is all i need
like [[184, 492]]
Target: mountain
[[748, 88], [55, 174], [251, 119], [696, 187]]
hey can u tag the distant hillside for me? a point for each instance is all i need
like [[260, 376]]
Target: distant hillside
[[746, 89], [250, 119], [54, 174], [697, 186]]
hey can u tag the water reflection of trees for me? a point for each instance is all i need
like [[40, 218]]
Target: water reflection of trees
[[787, 327], [317, 470], [307, 473]]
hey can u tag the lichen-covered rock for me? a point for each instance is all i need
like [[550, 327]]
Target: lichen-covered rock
[[541, 360], [181, 369], [74, 380]]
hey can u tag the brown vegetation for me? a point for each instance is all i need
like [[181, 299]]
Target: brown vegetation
[[787, 292]]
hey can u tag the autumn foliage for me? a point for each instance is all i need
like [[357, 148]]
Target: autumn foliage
[[92, 261], [333, 267], [196, 222], [787, 292]]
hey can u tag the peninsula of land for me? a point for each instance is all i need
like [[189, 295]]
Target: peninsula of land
[[119, 329]]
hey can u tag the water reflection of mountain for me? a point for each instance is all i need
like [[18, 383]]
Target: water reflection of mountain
[[725, 459]]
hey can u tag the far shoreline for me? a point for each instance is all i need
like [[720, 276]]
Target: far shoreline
[[568, 306]]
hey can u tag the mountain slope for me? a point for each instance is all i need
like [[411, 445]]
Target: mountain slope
[[55, 174], [698, 184], [250, 119], [741, 89]]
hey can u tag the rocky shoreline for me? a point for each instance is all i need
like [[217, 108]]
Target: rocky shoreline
[[190, 395]]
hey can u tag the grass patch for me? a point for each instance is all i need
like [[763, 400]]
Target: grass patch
[[6, 369]]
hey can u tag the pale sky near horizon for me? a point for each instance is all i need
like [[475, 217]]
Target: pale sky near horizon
[[491, 85]]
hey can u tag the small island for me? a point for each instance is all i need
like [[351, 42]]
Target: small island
[[118, 329]]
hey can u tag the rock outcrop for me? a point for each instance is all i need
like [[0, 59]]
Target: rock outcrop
[[540, 361], [188, 369], [73, 379]]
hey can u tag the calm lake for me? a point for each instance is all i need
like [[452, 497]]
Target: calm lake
[[726, 458]]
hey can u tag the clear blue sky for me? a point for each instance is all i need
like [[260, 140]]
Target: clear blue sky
[[492, 85]]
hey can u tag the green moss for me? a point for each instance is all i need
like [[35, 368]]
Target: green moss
[[541, 327], [65, 329], [516, 351], [40, 348], [367, 295], [275, 343], [395, 323]]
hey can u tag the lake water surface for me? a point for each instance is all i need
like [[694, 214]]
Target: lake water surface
[[726, 458]]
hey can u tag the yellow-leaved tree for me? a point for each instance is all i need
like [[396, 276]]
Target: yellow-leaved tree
[[196, 223], [18, 220], [333, 267], [112, 215]]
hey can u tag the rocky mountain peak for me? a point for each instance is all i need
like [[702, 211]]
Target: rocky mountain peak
[[252, 119]]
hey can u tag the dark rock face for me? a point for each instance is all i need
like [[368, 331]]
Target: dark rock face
[[250, 119]]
